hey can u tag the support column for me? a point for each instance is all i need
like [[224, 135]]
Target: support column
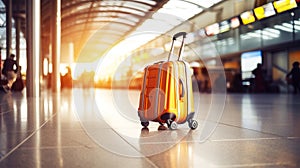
[[18, 17], [18, 30], [259, 3], [33, 48], [56, 40], [8, 27]]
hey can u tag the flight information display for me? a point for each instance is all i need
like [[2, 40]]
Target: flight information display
[[235, 22], [212, 29], [284, 5], [224, 26], [264, 11], [247, 17]]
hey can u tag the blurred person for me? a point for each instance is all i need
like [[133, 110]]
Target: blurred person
[[10, 69], [295, 73], [19, 84], [206, 87], [66, 80], [259, 81], [196, 80], [237, 83], [220, 84]]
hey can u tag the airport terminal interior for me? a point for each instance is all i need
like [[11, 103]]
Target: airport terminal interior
[[82, 93]]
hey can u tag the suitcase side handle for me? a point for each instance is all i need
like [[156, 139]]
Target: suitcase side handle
[[181, 89], [175, 36]]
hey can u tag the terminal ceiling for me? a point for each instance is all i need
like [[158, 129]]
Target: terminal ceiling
[[104, 23]]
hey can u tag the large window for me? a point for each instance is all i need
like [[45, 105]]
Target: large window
[[227, 42], [278, 29], [249, 61], [250, 36], [297, 24], [268, 31]]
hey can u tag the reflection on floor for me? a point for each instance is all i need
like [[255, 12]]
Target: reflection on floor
[[100, 128]]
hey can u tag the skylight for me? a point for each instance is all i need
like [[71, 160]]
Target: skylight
[[173, 13]]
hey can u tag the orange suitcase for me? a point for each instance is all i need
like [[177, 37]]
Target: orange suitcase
[[166, 95]]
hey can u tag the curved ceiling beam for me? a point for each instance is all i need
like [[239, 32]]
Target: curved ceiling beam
[[81, 20], [71, 33], [85, 19], [81, 3], [74, 30], [66, 29], [110, 14], [193, 3], [109, 8]]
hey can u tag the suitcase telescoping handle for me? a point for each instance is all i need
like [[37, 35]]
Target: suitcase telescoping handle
[[175, 36]]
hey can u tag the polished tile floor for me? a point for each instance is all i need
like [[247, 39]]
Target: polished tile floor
[[100, 128]]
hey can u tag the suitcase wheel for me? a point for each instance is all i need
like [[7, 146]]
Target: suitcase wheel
[[193, 124], [172, 124], [162, 127], [145, 123], [144, 131]]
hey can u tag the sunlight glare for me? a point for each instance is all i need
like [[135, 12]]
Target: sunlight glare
[[120, 52]]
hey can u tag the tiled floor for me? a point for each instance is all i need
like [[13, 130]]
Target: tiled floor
[[100, 128]]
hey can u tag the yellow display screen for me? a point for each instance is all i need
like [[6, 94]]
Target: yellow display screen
[[284, 5], [235, 22], [224, 26], [247, 17], [264, 11], [212, 29]]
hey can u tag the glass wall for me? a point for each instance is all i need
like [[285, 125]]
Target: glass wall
[[250, 36], [297, 24], [279, 29], [227, 42]]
